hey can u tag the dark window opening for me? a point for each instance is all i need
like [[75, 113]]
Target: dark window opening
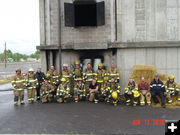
[[84, 13], [54, 58]]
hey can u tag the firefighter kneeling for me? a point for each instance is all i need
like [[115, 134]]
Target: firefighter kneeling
[[79, 91], [131, 93], [46, 92], [63, 91], [93, 92], [144, 90], [114, 92], [172, 89]]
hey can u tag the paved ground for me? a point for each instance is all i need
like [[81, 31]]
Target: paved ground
[[82, 118], [6, 87]]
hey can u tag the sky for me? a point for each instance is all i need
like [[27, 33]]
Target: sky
[[19, 25]]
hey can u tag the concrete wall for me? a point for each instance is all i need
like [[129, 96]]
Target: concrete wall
[[166, 60], [148, 20], [70, 35], [88, 34]]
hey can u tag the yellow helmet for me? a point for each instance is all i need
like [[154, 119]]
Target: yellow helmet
[[63, 79], [48, 75], [171, 77], [77, 62], [136, 94], [100, 64], [114, 95]]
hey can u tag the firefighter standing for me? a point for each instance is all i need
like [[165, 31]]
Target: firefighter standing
[[31, 83], [131, 93], [100, 74], [66, 73], [63, 91], [157, 89], [77, 73], [46, 92], [79, 91], [53, 78], [18, 83], [113, 72], [41, 77], [144, 90], [88, 76], [171, 89], [114, 91]]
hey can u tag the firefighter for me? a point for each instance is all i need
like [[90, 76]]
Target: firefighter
[[46, 92], [18, 82], [100, 74], [88, 76], [113, 72], [105, 90], [80, 91], [93, 92], [53, 78], [41, 77], [63, 91], [114, 91], [172, 89], [157, 89], [77, 72], [31, 84], [66, 73], [143, 88], [131, 93]]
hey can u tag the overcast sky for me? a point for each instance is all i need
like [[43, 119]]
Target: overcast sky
[[19, 25]]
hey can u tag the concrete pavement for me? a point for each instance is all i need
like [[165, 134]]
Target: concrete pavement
[[80, 118]]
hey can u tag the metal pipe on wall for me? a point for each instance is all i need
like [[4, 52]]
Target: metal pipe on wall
[[59, 34], [116, 20], [44, 22]]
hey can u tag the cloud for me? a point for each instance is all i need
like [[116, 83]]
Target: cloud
[[19, 25]]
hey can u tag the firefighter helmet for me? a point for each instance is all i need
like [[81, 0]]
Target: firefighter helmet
[[31, 70], [63, 79], [100, 64], [65, 65], [114, 95], [171, 77], [77, 63], [136, 94]]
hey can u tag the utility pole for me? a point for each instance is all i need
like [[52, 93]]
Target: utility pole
[[5, 56]]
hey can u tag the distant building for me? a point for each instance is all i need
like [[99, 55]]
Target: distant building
[[10, 60], [21, 60], [31, 59], [124, 32]]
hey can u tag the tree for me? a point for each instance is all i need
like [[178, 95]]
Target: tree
[[35, 55]]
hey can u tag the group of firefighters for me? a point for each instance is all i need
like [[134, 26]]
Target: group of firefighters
[[85, 85]]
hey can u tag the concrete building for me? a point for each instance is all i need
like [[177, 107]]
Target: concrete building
[[130, 32]]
